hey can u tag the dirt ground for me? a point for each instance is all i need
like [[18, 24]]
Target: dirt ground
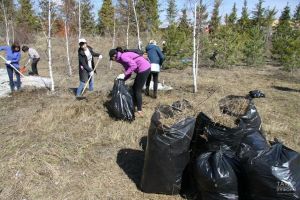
[[56, 147]]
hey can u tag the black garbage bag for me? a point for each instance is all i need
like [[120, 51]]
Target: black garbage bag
[[121, 104], [251, 119], [167, 155], [256, 94], [253, 140], [215, 176], [274, 174]]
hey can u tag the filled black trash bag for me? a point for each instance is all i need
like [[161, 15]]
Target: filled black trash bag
[[121, 104], [167, 155], [251, 119], [215, 176], [274, 174], [256, 94]]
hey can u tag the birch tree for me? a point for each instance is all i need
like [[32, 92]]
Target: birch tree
[[137, 25], [194, 49], [6, 22], [49, 44], [79, 19]]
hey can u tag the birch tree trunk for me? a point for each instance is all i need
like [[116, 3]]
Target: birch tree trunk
[[194, 49], [50, 46], [67, 47], [114, 39], [79, 19], [6, 23], [137, 25], [127, 31]]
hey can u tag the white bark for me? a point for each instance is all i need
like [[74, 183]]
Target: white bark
[[67, 47], [127, 31], [194, 49], [50, 46], [12, 30], [6, 23], [79, 19], [137, 25], [114, 39]]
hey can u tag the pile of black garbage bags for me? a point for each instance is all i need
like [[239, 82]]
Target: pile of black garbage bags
[[204, 160]]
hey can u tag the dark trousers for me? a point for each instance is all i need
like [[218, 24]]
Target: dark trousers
[[137, 88], [10, 72], [155, 80], [34, 66]]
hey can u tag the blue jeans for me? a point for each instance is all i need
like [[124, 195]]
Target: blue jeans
[[10, 72], [82, 84]]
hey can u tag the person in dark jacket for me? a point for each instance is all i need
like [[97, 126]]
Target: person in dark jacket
[[156, 58], [13, 56], [86, 65]]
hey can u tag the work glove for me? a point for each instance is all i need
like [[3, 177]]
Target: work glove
[[91, 73], [100, 56], [121, 76], [8, 62]]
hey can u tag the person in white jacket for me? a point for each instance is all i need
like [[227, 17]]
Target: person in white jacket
[[34, 57]]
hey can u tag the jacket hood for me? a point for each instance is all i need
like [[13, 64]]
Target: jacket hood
[[150, 46]]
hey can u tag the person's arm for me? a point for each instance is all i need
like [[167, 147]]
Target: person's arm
[[161, 55], [84, 64], [94, 54], [4, 48], [132, 66]]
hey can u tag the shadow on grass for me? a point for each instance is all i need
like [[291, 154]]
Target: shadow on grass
[[286, 89], [132, 163]]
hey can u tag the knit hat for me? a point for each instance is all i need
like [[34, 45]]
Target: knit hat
[[111, 53]]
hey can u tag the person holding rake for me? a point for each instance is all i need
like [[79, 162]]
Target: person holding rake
[[86, 66]]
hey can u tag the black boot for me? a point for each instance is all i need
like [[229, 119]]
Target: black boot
[[147, 91], [155, 94]]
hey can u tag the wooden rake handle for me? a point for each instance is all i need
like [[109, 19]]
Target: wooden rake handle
[[90, 77], [12, 66]]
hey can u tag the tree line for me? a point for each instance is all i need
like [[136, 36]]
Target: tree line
[[252, 39]]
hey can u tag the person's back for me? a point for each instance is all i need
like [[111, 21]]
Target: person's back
[[154, 53]]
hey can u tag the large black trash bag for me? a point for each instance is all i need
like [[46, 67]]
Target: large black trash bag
[[215, 176], [253, 140], [274, 174], [121, 104], [167, 154]]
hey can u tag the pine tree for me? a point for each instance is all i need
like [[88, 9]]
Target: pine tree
[[286, 45], [233, 15], [184, 24], [171, 12], [106, 17], [259, 14], [244, 20], [215, 18], [87, 17], [296, 16], [148, 15], [25, 17]]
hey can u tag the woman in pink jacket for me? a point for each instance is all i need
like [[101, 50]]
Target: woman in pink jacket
[[133, 62]]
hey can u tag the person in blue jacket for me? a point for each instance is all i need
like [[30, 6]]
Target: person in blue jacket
[[156, 58], [13, 56]]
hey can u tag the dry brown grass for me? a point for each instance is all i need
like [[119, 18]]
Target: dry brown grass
[[55, 147]]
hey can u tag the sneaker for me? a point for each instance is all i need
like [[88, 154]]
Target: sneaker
[[139, 114]]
